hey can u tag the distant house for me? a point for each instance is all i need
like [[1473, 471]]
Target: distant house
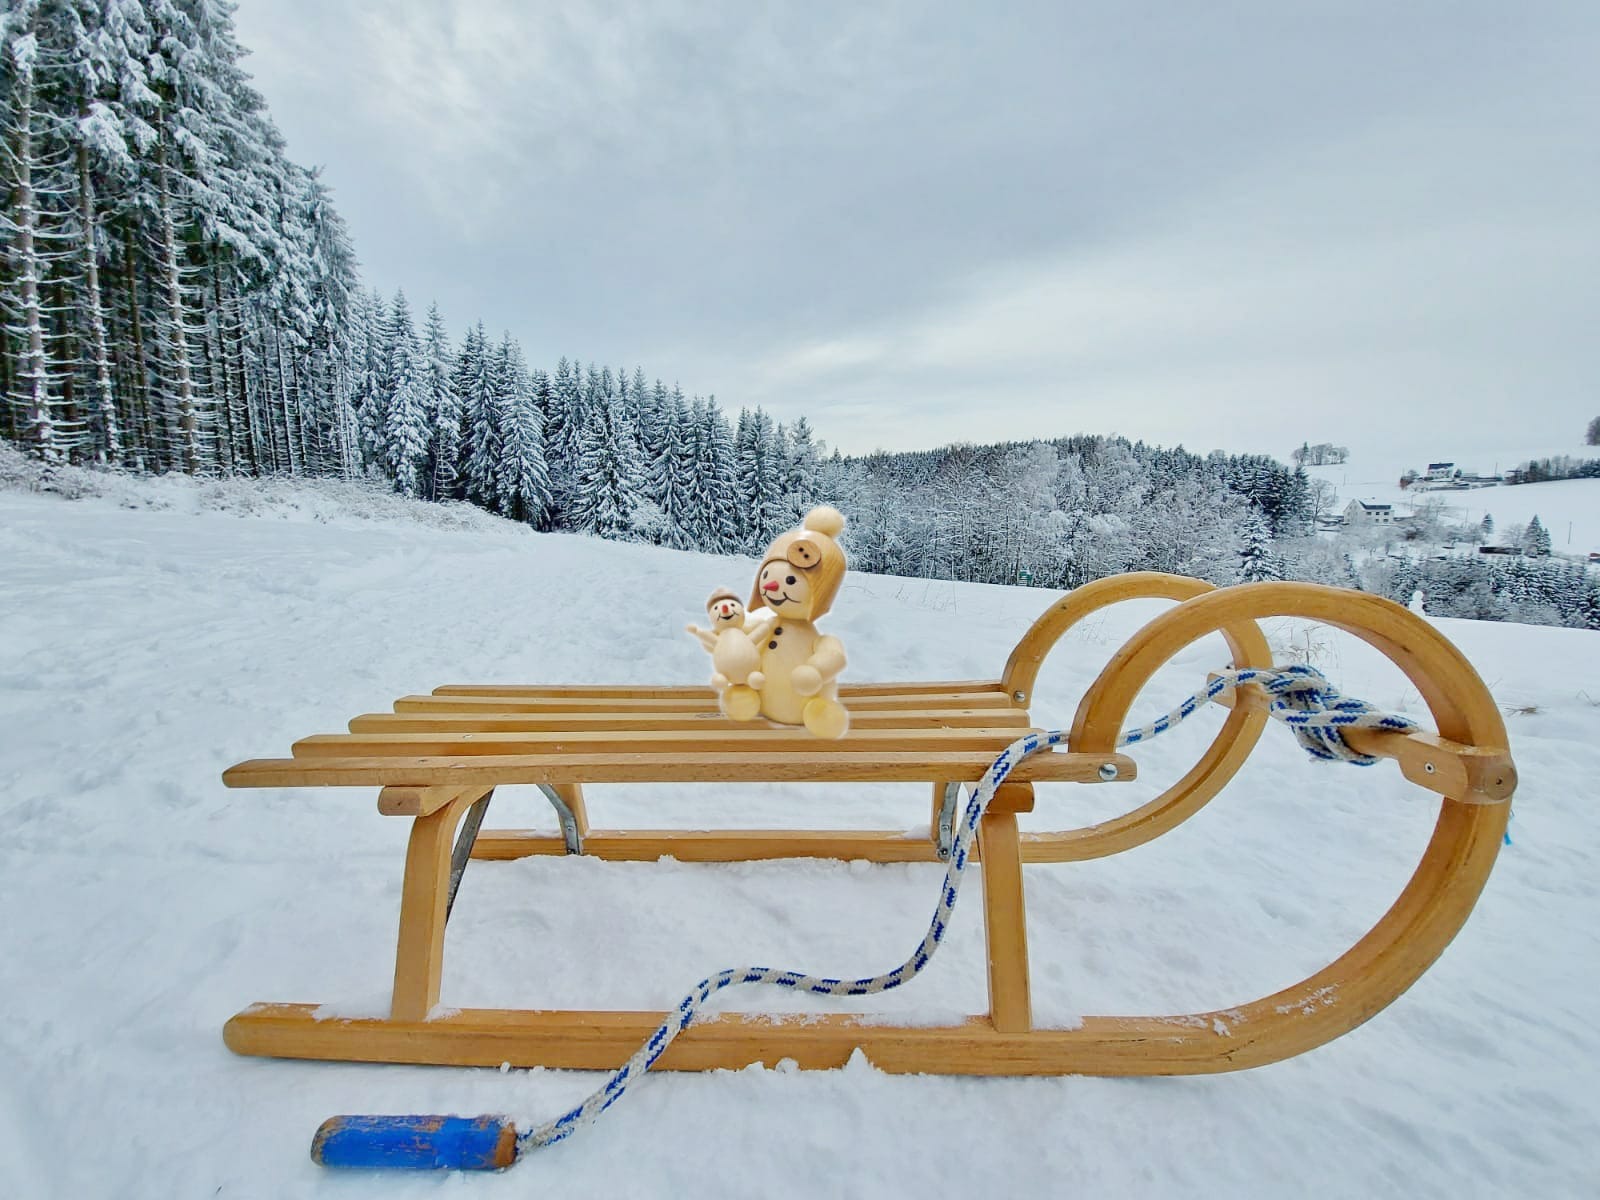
[[1441, 472], [1361, 512], [1499, 550]]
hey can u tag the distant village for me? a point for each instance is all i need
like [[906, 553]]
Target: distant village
[[1446, 476], [1439, 477]]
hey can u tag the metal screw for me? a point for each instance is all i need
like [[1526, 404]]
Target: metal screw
[[1108, 771], [1020, 697], [1428, 767]]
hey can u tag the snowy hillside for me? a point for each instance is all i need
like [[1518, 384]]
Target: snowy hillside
[[1568, 508], [149, 645]]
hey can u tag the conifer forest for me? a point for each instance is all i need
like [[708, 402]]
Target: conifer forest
[[178, 295]]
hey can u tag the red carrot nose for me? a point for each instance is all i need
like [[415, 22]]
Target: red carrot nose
[[770, 586]]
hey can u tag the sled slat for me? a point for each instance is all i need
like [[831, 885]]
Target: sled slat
[[665, 767], [702, 700], [513, 722], [743, 740], [646, 692]]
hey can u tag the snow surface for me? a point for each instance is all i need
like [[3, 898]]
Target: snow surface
[[148, 647]]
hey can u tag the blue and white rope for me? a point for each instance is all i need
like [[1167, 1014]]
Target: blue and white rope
[[1300, 697]]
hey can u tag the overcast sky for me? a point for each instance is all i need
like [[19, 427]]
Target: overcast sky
[[1224, 224]]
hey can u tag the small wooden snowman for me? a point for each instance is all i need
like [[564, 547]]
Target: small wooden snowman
[[797, 582], [735, 659]]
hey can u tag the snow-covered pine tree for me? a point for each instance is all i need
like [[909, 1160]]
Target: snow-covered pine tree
[[368, 393], [331, 288], [481, 450], [539, 381], [760, 467], [563, 426], [1257, 562], [643, 411], [1536, 539], [404, 384], [524, 482], [608, 487], [443, 409], [800, 481], [671, 473], [719, 503], [1296, 511]]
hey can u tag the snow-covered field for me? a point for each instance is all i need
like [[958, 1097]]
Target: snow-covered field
[[1568, 508], [147, 648]]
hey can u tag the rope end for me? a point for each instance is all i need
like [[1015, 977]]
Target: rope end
[[416, 1143]]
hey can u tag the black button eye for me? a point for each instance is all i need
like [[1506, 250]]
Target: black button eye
[[790, 580]]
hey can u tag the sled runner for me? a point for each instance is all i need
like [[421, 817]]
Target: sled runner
[[437, 759]]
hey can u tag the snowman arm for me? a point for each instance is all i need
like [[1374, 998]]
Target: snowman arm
[[705, 637], [762, 629], [827, 657]]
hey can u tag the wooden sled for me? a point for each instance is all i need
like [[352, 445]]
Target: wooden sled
[[438, 758]]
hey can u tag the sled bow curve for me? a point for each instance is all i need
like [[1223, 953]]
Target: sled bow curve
[[1437, 900], [1223, 757]]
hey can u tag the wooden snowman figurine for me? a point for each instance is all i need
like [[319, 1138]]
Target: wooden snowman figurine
[[735, 653], [797, 582]]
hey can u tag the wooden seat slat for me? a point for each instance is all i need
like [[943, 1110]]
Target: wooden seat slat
[[699, 700], [738, 740], [648, 692], [723, 766], [512, 722]]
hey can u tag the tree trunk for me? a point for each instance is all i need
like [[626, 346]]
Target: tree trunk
[[230, 330], [212, 354], [290, 455], [39, 430], [105, 397], [177, 333], [141, 365], [291, 417]]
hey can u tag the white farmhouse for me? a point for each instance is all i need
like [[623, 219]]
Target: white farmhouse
[[1362, 512]]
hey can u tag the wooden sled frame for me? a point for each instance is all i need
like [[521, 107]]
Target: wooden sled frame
[[445, 783]]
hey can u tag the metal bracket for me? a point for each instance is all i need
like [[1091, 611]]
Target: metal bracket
[[470, 824], [569, 823], [947, 820]]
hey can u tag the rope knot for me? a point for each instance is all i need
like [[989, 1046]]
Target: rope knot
[[1317, 712]]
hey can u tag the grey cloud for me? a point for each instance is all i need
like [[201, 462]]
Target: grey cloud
[[915, 224]]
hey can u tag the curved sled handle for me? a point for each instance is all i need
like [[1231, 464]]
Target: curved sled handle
[[416, 1143]]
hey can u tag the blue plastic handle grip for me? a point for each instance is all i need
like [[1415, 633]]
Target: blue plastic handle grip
[[416, 1143]]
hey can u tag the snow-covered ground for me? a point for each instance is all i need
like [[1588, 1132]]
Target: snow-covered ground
[[147, 648], [1568, 508]]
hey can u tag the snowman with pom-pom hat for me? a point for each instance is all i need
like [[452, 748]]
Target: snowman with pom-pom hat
[[798, 579]]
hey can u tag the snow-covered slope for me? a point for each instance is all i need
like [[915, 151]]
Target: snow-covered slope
[[1568, 508], [145, 650]]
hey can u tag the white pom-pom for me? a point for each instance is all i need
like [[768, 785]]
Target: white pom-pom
[[825, 520]]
